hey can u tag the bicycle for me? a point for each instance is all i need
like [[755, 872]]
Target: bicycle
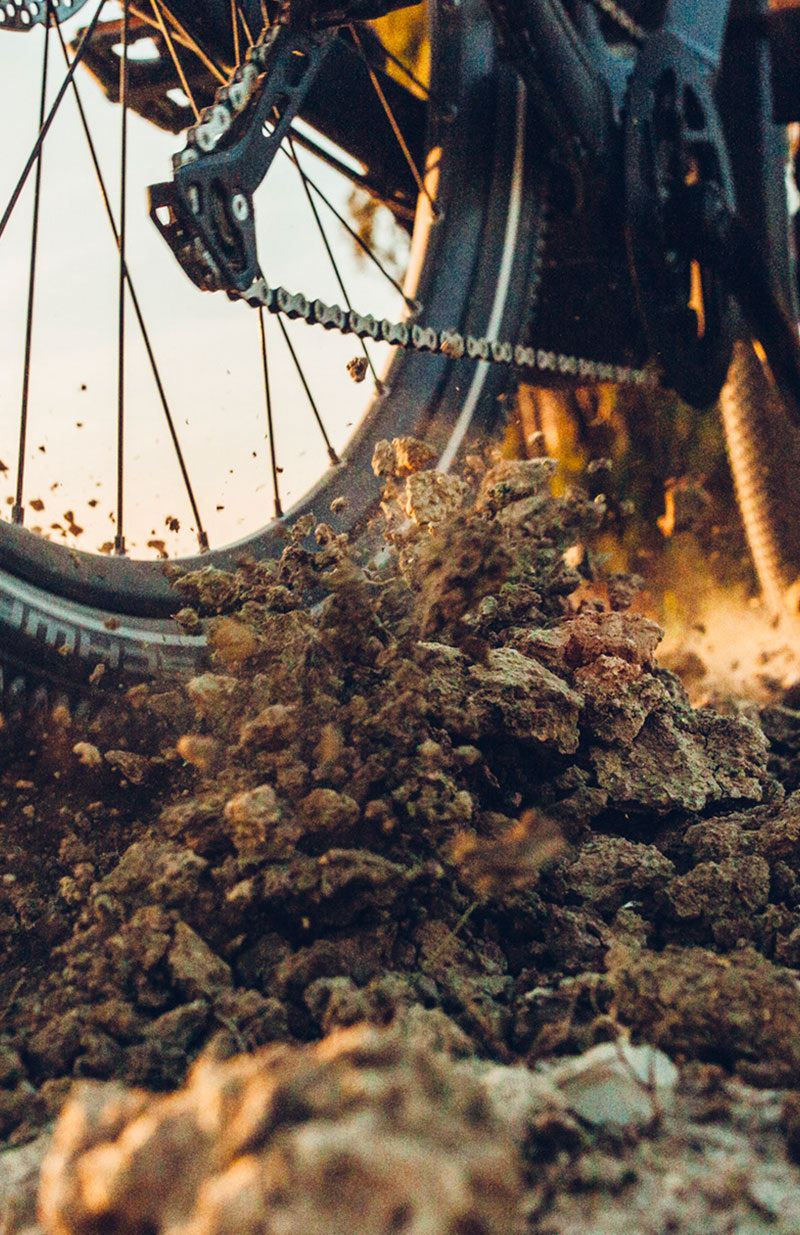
[[636, 144]]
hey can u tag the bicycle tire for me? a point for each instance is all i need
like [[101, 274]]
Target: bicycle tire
[[761, 434], [762, 440], [62, 612]]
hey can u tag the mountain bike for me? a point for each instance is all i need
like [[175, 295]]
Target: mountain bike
[[581, 191]]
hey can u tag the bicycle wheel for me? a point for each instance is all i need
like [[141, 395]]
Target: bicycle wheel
[[750, 288], [707, 212], [62, 611]]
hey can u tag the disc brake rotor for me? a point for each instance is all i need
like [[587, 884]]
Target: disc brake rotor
[[25, 14]]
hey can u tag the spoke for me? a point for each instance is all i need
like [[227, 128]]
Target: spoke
[[196, 47], [331, 256], [390, 116], [332, 455], [119, 539], [237, 51], [413, 305], [268, 397], [18, 510], [412, 77], [245, 26], [45, 128], [162, 25], [202, 535]]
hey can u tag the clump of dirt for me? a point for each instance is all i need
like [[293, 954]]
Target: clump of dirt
[[453, 782], [365, 1131]]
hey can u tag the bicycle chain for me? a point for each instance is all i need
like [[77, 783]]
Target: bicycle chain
[[238, 96]]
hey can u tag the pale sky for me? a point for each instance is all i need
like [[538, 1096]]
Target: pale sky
[[207, 347]]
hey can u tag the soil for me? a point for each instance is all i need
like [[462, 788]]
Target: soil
[[454, 911]]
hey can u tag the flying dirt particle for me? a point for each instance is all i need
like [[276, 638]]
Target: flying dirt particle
[[357, 368], [232, 642], [220, 508], [198, 750], [78, 424], [37, 504], [88, 754], [75, 529], [97, 673], [42, 449], [68, 516], [3, 466], [56, 485], [9, 501], [92, 502], [172, 524], [56, 527], [106, 547], [159, 546], [83, 386], [511, 860]]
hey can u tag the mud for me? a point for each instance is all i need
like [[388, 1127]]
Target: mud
[[453, 797]]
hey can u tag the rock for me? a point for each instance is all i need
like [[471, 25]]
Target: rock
[[689, 1001], [329, 816], [431, 497], [133, 767], [253, 815], [202, 751], [735, 888], [339, 1136], [403, 456], [273, 728], [88, 754], [153, 871], [211, 693], [618, 698], [516, 695], [622, 635], [513, 479], [11, 1067], [180, 1026], [511, 695], [195, 969], [617, 1085], [685, 760], [609, 871]]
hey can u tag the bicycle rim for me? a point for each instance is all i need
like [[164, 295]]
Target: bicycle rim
[[66, 610]]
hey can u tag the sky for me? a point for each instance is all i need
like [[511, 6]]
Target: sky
[[207, 348]]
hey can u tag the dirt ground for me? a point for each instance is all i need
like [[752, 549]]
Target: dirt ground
[[458, 915]]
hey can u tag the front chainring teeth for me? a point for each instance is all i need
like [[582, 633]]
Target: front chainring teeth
[[25, 14]]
